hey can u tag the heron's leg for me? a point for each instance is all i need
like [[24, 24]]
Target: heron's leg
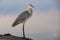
[[23, 30]]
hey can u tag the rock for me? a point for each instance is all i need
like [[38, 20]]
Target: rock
[[11, 37], [7, 34]]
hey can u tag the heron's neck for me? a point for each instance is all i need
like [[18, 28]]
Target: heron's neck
[[30, 10]]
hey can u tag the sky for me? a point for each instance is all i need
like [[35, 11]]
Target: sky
[[16, 6], [43, 23]]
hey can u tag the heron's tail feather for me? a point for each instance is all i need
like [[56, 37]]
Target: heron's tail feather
[[14, 24]]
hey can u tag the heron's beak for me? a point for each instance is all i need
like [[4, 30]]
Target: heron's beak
[[33, 6]]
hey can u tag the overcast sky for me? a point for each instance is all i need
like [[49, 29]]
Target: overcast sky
[[43, 21], [16, 6]]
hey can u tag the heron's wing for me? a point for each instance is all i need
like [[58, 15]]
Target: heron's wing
[[21, 18], [23, 15]]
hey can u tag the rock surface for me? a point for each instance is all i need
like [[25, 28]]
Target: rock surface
[[11, 37]]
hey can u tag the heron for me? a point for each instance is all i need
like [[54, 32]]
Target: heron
[[22, 18]]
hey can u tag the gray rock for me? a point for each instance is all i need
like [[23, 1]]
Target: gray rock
[[11, 37]]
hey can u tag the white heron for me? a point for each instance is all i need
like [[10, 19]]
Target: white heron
[[23, 17]]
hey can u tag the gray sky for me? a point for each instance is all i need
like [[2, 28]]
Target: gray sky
[[16, 6], [43, 21]]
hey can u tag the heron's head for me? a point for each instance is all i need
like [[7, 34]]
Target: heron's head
[[31, 6]]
